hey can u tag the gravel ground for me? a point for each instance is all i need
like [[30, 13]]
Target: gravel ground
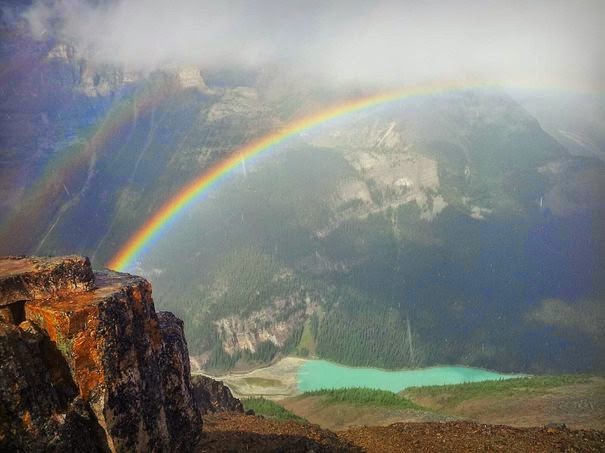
[[230, 432], [472, 437]]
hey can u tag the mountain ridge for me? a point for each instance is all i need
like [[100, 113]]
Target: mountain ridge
[[417, 212]]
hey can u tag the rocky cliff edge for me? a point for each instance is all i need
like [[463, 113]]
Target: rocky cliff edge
[[87, 364]]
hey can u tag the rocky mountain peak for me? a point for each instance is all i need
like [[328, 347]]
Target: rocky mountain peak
[[61, 52], [191, 77]]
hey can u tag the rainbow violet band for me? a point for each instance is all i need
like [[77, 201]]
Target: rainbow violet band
[[158, 222]]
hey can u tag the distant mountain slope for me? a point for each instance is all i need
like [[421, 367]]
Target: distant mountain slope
[[442, 229], [446, 254], [575, 401]]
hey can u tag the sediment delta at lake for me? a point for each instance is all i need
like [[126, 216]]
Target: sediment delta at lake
[[277, 381]]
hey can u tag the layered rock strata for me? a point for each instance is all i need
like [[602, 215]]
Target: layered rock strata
[[87, 363]]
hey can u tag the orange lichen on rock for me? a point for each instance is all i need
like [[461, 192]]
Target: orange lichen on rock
[[86, 361], [26, 418], [70, 324], [117, 363]]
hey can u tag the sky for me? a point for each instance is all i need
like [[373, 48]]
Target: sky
[[539, 42]]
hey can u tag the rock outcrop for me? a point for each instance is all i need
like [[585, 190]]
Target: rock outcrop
[[24, 279], [40, 409], [191, 77], [87, 364], [213, 396]]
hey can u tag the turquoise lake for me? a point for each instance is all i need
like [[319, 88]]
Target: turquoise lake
[[321, 374]]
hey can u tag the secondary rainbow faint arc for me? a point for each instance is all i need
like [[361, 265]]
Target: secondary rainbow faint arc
[[187, 195]]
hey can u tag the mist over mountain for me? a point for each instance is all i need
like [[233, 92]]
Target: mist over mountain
[[540, 43], [464, 226]]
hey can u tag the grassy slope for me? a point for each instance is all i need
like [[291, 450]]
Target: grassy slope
[[451, 395], [306, 346], [577, 400], [362, 397], [339, 409], [270, 409]]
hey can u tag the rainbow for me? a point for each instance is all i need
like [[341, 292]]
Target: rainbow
[[66, 170], [159, 221], [167, 213]]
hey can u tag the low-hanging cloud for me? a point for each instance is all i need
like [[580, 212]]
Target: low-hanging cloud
[[392, 42]]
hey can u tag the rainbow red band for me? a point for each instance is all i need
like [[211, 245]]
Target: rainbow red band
[[185, 197]]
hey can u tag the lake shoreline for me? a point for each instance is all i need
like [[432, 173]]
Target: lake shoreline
[[282, 379]]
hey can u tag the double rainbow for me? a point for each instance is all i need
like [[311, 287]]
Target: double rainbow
[[155, 225]]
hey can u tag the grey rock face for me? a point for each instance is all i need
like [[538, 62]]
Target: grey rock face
[[214, 396]]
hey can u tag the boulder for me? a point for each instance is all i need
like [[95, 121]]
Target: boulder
[[214, 396]]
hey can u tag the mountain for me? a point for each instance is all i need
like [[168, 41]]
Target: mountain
[[415, 231], [89, 364], [450, 228]]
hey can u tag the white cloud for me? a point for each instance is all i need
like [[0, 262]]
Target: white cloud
[[545, 41]]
